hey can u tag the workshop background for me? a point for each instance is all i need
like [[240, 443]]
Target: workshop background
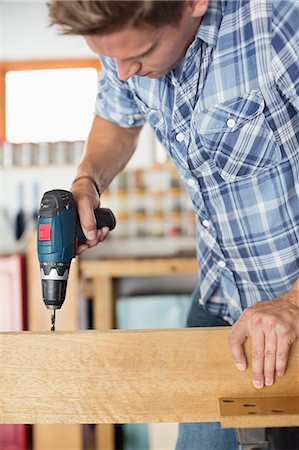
[[48, 87]]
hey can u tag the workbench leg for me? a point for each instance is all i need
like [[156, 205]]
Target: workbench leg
[[103, 303], [103, 317], [104, 437], [58, 437]]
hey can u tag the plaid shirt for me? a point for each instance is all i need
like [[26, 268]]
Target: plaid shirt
[[230, 122]]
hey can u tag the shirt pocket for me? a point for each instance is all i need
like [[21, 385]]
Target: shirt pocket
[[154, 117], [237, 137]]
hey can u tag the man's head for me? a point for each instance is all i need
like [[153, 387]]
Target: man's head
[[146, 38], [102, 17]]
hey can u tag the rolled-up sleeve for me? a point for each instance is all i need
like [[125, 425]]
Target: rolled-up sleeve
[[114, 100]]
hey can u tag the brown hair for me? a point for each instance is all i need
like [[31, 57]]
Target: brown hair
[[85, 17]]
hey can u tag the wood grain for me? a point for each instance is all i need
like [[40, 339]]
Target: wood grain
[[119, 376]]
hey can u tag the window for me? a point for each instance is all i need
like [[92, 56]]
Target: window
[[48, 101], [50, 105]]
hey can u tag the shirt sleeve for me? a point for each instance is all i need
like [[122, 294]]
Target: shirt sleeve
[[285, 49], [114, 100]]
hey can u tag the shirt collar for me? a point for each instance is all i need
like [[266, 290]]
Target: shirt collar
[[209, 28]]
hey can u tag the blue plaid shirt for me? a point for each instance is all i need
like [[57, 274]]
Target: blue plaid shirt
[[230, 122]]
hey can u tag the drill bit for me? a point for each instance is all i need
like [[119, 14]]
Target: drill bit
[[53, 316]]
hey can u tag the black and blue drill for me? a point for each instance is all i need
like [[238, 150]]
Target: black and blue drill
[[59, 235]]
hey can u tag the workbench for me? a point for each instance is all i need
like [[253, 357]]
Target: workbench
[[96, 279], [130, 367]]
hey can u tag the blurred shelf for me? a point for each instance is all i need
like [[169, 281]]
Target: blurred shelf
[[142, 248]]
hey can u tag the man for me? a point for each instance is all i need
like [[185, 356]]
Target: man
[[218, 82]]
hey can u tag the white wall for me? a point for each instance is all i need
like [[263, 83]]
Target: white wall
[[25, 34]]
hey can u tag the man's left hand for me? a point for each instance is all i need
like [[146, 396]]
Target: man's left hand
[[273, 326]]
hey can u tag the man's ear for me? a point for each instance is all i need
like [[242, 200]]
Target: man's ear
[[198, 7]]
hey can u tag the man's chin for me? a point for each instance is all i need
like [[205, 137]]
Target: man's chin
[[155, 74]]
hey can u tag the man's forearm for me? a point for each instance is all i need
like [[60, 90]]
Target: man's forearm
[[107, 150]]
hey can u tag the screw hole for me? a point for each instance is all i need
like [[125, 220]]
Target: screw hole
[[228, 401], [248, 405], [251, 412], [277, 410]]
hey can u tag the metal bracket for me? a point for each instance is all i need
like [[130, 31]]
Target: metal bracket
[[252, 439], [239, 412]]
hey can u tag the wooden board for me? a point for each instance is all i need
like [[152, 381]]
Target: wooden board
[[129, 376]]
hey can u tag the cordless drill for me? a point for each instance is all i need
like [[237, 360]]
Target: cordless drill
[[59, 235]]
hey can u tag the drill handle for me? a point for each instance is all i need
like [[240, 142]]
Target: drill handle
[[104, 218]]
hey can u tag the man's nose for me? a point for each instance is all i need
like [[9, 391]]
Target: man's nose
[[126, 69]]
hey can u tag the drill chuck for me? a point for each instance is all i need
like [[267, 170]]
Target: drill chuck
[[54, 281]]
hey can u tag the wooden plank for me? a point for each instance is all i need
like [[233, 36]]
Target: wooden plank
[[119, 376], [262, 406]]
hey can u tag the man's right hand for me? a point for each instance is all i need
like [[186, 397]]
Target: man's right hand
[[87, 199]]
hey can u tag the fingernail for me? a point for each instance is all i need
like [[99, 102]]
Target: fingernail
[[241, 366], [279, 374], [91, 235], [268, 381], [104, 234], [257, 384]]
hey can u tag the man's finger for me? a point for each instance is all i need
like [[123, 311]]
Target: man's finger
[[102, 233], [87, 219], [257, 353], [236, 340], [270, 358], [81, 249], [282, 353]]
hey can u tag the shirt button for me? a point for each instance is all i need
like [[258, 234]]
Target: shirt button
[[180, 137], [206, 223], [231, 123], [221, 264], [191, 182], [130, 121]]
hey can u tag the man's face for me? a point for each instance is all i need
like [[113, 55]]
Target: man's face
[[147, 51]]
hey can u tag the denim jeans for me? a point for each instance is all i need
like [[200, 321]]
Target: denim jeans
[[209, 435]]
